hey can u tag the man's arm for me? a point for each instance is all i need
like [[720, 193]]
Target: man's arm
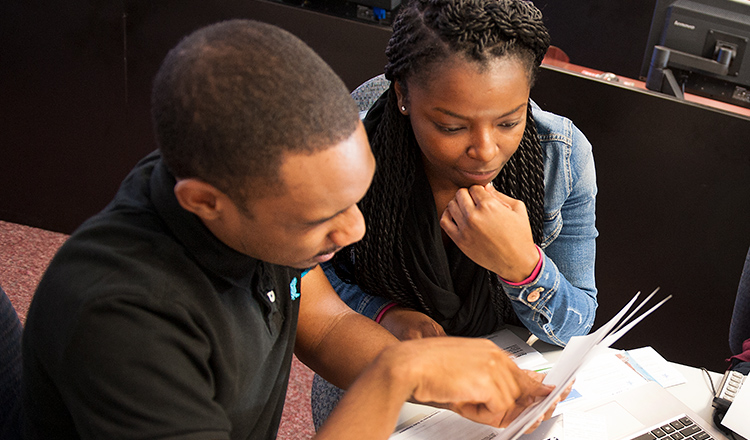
[[473, 377], [332, 339]]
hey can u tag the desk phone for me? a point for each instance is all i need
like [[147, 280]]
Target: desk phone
[[728, 388], [730, 385]]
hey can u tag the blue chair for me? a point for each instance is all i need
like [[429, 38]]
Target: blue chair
[[369, 91], [10, 366], [739, 329]]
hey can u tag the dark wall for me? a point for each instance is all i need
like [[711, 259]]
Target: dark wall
[[609, 36], [672, 210], [76, 79], [674, 197]]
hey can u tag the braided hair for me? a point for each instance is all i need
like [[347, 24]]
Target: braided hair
[[425, 34]]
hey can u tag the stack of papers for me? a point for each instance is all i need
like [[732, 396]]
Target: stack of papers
[[612, 372], [443, 424], [578, 351]]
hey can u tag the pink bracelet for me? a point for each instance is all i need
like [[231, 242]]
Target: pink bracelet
[[534, 273], [382, 312]]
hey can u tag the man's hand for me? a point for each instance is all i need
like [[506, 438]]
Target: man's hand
[[472, 377], [407, 324], [547, 414], [493, 230]]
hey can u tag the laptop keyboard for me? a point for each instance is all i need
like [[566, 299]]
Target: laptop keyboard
[[678, 429]]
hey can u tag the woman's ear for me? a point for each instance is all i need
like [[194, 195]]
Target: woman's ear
[[200, 198], [400, 98]]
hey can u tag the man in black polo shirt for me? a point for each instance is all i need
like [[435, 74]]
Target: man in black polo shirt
[[174, 312]]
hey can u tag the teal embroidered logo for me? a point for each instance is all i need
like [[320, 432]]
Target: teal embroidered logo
[[293, 285], [293, 289]]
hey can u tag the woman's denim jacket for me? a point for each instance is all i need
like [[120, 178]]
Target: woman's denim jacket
[[561, 301]]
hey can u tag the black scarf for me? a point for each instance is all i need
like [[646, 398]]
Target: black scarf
[[457, 292]]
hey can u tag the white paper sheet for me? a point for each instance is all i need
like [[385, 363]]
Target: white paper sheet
[[736, 417], [651, 365], [524, 355], [583, 426], [578, 351], [445, 425], [603, 375]]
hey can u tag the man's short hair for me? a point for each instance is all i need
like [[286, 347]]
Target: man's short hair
[[232, 98]]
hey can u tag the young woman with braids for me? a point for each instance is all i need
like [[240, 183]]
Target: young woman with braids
[[481, 211]]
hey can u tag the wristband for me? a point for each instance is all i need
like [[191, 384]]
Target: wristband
[[382, 312], [534, 273]]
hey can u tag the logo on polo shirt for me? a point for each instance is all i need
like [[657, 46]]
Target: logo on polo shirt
[[293, 285], [293, 289]]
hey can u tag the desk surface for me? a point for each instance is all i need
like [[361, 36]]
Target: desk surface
[[640, 85], [695, 392]]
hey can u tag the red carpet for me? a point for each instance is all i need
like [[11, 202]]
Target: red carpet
[[25, 253]]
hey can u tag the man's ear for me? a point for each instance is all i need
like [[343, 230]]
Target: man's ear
[[200, 198]]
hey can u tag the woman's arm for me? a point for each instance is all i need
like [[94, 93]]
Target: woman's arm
[[402, 322], [561, 301], [553, 291], [359, 301]]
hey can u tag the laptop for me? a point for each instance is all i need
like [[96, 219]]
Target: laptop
[[650, 412]]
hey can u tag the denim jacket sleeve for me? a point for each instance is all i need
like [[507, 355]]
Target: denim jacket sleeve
[[561, 301], [353, 296]]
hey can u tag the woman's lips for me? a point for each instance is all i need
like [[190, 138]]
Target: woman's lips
[[480, 176]]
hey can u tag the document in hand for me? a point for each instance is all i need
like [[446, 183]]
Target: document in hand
[[574, 356]]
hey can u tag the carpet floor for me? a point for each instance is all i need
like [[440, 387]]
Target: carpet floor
[[25, 253]]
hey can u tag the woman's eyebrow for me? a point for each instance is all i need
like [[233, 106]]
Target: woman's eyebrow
[[456, 115]]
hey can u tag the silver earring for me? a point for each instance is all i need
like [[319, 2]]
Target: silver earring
[[403, 109]]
